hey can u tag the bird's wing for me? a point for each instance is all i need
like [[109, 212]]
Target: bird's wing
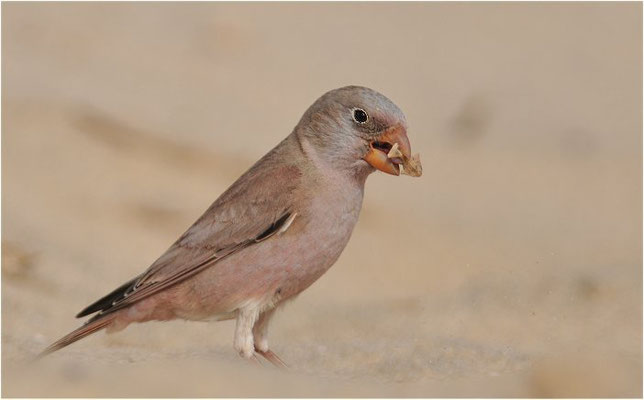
[[254, 208]]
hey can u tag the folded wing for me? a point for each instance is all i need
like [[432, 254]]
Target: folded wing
[[253, 209]]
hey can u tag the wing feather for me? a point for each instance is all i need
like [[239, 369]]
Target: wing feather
[[256, 207]]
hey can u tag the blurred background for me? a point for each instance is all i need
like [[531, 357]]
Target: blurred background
[[513, 267]]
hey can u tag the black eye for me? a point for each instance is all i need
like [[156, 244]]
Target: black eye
[[360, 115]]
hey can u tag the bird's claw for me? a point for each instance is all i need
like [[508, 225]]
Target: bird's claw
[[253, 359], [273, 358]]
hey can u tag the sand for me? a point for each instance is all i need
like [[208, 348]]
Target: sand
[[512, 267]]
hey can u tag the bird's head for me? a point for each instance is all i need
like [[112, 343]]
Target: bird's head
[[355, 128]]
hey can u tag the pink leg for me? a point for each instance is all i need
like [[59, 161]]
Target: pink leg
[[260, 336]]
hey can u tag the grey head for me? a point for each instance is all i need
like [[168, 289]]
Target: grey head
[[353, 128]]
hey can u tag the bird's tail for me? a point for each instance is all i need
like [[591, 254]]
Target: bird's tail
[[93, 325]]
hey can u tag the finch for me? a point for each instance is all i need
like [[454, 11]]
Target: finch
[[272, 233]]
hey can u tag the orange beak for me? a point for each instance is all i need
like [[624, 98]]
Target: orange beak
[[379, 148]]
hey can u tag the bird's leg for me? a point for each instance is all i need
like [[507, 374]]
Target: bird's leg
[[243, 343], [260, 334], [260, 330]]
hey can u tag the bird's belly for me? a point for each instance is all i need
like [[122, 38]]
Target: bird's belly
[[272, 271]]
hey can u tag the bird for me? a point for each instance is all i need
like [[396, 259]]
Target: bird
[[272, 233]]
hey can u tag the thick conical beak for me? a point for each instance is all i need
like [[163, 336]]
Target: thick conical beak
[[379, 148]]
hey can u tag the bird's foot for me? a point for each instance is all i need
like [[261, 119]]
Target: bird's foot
[[254, 360], [273, 358]]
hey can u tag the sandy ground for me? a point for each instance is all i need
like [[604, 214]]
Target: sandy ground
[[511, 268]]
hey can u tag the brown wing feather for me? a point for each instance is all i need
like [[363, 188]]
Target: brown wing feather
[[251, 210]]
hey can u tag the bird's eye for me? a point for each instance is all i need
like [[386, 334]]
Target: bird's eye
[[360, 115]]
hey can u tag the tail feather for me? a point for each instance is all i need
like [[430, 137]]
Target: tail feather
[[93, 325]]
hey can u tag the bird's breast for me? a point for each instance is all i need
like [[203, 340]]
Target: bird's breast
[[319, 237], [276, 269]]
